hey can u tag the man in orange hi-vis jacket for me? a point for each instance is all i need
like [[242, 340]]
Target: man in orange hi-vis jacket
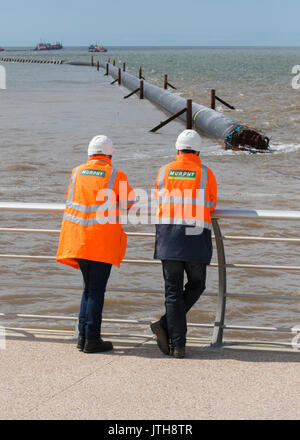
[[91, 237], [186, 192]]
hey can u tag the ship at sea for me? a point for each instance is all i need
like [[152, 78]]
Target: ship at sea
[[97, 48], [48, 46], [1, 49]]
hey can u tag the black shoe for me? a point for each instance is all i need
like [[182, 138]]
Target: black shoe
[[162, 337], [179, 353], [97, 346], [80, 343]]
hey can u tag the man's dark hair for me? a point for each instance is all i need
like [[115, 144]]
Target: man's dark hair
[[189, 151], [101, 154]]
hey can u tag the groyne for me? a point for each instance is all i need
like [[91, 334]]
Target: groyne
[[30, 60]]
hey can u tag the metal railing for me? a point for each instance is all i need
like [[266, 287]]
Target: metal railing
[[219, 325]]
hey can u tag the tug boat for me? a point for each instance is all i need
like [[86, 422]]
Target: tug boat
[[97, 48]]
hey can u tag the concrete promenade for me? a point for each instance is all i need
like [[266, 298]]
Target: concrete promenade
[[43, 376]]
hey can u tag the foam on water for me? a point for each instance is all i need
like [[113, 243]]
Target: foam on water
[[218, 150], [284, 148]]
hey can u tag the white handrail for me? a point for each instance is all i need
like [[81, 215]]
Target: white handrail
[[32, 207], [218, 213], [257, 214]]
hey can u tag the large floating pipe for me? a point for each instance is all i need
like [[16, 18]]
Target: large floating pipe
[[210, 122], [213, 124]]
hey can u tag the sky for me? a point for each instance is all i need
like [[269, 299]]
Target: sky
[[151, 23]]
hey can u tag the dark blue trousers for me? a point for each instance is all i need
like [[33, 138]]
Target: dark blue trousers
[[178, 298], [95, 276]]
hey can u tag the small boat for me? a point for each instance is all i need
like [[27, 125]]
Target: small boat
[[48, 46], [97, 48], [1, 49], [56, 46], [42, 46]]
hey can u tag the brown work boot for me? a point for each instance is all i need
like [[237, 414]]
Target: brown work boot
[[162, 338]]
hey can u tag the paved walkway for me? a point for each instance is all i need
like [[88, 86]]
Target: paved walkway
[[43, 376]]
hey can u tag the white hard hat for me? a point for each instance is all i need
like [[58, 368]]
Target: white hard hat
[[100, 145], [188, 140]]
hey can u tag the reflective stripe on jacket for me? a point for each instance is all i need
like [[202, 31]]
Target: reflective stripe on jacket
[[186, 192], [91, 226]]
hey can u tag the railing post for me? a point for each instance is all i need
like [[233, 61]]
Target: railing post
[[189, 116], [119, 76], [107, 69], [213, 99], [114, 62], [140, 72], [217, 336], [92, 60], [124, 67], [98, 66]]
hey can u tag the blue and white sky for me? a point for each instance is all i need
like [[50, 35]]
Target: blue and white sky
[[152, 22]]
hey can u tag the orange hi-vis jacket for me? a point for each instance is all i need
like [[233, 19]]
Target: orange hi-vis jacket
[[186, 192], [91, 227]]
